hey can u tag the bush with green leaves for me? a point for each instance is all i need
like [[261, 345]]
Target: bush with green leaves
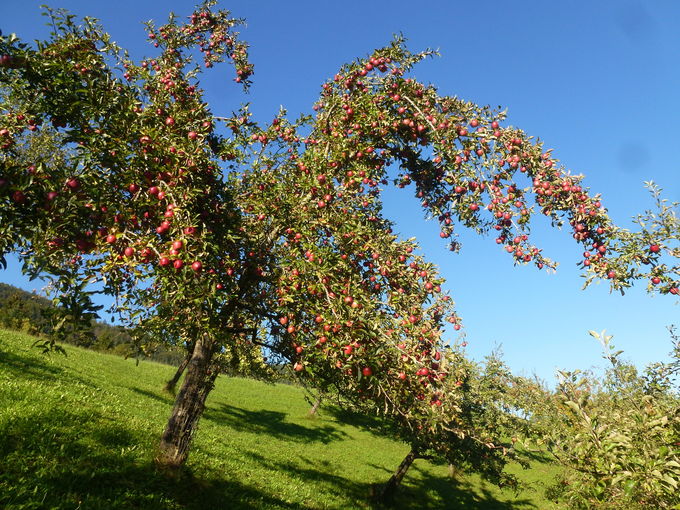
[[617, 435]]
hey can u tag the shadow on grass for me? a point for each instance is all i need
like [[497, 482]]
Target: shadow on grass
[[367, 422], [272, 424], [31, 366], [164, 397], [417, 492], [420, 487], [63, 460], [538, 456], [319, 473], [454, 493]]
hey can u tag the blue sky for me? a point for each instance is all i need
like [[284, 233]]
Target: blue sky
[[597, 81]]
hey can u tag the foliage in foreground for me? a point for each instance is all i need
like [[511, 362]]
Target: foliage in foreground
[[617, 436], [77, 430]]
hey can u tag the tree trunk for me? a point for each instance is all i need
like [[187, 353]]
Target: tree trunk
[[189, 405], [170, 385], [387, 492], [453, 471], [315, 406]]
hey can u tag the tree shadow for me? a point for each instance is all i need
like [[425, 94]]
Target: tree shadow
[[538, 456], [367, 422], [448, 493], [164, 397], [271, 423], [422, 491], [28, 366], [64, 459], [319, 472], [68, 458], [462, 493]]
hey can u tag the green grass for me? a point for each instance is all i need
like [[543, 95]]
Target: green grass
[[80, 432]]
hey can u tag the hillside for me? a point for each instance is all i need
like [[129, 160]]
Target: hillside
[[79, 432], [33, 314]]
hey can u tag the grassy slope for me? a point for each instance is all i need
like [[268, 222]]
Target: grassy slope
[[79, 432]]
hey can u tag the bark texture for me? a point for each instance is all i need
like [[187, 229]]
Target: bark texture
[[189, 404]]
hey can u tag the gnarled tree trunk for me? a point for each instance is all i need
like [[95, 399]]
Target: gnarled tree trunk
[[170, 385], [387, 492], [189, 404]]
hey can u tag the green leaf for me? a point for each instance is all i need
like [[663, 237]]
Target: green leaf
[[670, 480], [573, 406]]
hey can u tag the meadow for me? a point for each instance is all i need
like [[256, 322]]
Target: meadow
[[79, 432]]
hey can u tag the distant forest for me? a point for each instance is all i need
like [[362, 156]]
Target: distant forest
[[33, 314]]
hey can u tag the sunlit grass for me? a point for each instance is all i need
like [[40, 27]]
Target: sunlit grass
[[80, 432]]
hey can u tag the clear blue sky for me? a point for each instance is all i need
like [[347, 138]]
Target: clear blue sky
[[597, 81]]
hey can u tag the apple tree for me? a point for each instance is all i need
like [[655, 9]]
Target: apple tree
[[241, 241]]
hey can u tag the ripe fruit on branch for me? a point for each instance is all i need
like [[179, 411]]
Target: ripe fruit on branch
[[73, 184], [5, 60]]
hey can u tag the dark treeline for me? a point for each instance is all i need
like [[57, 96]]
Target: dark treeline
[[33, 314]]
